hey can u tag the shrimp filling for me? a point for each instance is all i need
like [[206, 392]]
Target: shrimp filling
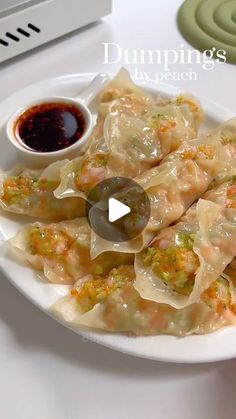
[[92, 171], [18, 188], [97, 289], [176, 265]]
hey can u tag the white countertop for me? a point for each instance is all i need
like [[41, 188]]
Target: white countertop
[[47, 372]]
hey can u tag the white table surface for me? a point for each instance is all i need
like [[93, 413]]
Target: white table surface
[[47, 372]]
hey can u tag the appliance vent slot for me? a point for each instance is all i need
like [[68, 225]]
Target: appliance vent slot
[[13, 37], [34, 28], [4, 43], [22, 32]]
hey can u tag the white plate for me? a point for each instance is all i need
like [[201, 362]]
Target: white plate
[[216, 346]]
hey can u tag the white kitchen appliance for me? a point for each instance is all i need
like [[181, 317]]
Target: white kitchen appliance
[[26, 24]]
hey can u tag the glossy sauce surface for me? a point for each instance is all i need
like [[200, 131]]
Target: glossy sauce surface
[[51, 126]]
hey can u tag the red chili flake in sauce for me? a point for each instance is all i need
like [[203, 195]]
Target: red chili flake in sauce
[[51, 126]]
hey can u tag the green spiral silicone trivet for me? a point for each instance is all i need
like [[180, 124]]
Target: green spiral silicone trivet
[[208, 24]]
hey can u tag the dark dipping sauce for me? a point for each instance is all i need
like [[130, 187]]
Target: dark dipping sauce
[[51, 126]]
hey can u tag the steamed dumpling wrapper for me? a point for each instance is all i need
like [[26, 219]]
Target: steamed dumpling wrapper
[[140, 131], [127, 311], [227, 133], [62, 251], [230, 271], [131, 136], [127, 147], [123, 97], [141, 142], [191, 110], [31, 192], [115, 306], [178, 181], [171, 187], [80, 175], [185, 259], [137, 144]]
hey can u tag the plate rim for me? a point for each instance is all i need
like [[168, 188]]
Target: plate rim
[[211, 109]]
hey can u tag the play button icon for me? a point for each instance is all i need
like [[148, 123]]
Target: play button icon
[[118, 209]]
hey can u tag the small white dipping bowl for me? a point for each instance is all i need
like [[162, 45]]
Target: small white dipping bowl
[[34, 158]]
